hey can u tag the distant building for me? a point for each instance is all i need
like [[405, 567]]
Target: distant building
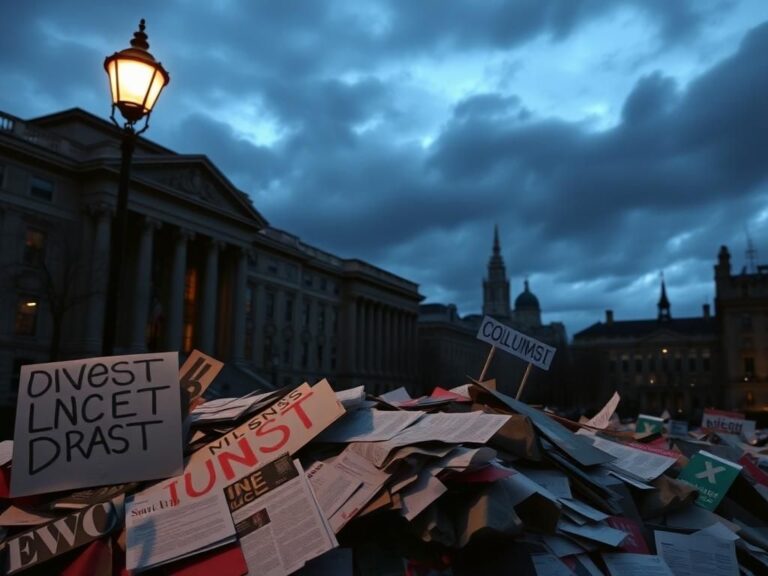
[[203, 269], [741, 304], [663, 363], [449, 350]]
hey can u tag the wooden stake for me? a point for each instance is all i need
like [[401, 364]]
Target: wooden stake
[[522, 382], [487, 363]]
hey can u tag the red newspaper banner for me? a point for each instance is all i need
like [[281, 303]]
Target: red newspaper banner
[[284, 427]]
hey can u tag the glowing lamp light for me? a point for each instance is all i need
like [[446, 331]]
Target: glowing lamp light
[[135, 78]]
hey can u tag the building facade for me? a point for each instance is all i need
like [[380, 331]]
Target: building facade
[[741, 303], [659, 364], [202, 269]]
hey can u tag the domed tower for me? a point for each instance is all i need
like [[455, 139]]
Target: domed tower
[[496, 286], [527, 310]]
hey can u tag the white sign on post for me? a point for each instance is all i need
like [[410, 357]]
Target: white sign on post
[[97, 421], [516, 343]]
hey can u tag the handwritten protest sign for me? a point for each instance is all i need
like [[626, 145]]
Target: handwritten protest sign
[[516, 343], [97, 421]]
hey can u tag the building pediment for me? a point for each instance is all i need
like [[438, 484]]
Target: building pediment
[[197, 181]]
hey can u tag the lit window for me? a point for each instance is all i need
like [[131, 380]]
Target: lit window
[[26, 316], [41, 189], [190, 310], [34, 247]]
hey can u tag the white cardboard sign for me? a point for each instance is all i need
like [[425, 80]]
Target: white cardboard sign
[[516, 343], [97, 421]]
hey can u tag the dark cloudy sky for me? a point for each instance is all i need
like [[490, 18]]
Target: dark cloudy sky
[[609, 140]]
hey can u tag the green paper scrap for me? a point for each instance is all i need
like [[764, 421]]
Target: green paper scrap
[[648, 424], [712, 476]]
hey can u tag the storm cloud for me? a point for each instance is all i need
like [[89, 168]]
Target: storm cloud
[[609, 141]]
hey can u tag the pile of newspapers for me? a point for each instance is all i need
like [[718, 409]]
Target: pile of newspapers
[[120, 465]]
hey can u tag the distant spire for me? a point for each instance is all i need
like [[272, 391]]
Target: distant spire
[[664, 312], [496, 286], [751, 253]]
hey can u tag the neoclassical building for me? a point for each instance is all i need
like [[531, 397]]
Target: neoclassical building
[[203, 268]]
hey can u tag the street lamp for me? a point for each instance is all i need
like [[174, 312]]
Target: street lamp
[[135, 80]]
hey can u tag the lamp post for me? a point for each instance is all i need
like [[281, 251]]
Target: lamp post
[[135, 80]]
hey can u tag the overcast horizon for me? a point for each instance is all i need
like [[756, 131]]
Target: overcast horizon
[[610, 141]]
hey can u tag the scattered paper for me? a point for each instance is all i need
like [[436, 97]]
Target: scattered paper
[[603, 418], [644, 465], [421, 494], [597, 532], [624, 564], [697, 555], [369, 426], [472, 427]]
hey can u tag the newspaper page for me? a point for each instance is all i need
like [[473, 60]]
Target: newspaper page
[[355, 468], [473, 427], [277, 519], [40, 543], [369, 426], [692, 554], [644, 465], [161, 531]]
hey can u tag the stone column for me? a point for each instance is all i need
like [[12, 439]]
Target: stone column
[[368, 337], [210, 298], [174, 331], [98, 272], [348, 335], [378, 339], [397, 349], [359, 335], [238, 306], [412, 345], [258, 325], [142, 283]]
